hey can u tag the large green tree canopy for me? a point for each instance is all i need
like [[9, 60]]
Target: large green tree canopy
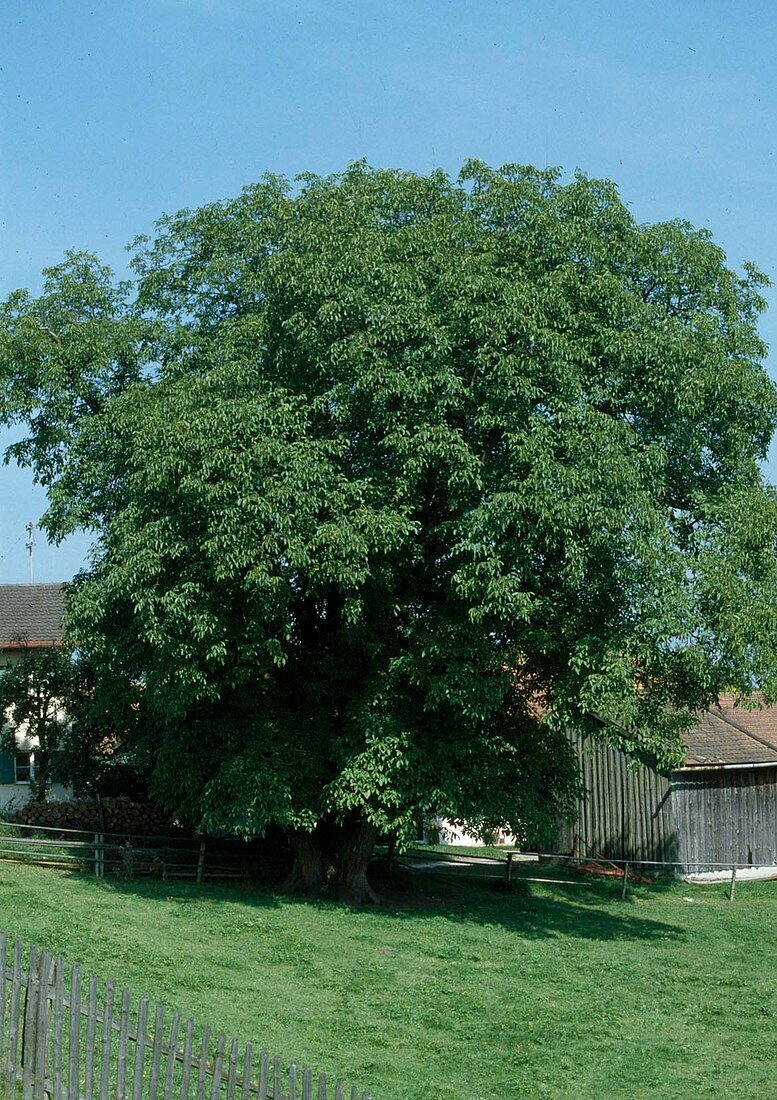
[[395, 479]]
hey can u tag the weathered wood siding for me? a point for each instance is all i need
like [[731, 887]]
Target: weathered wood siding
[[626, 812], [694, 819], [726, 816]]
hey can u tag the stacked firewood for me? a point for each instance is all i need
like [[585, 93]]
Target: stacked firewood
[[111, 815]]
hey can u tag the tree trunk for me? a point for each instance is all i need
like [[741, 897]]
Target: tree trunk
[[308, 871], [39, 785], [353, 857], [333, 855]]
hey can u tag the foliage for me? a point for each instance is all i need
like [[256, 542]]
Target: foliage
[[394, 479], [33, 693], [103, 753], [82, 736]]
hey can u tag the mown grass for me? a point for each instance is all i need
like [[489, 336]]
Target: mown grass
[[492, 851], [469, 994]]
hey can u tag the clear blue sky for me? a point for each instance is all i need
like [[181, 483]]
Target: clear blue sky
[[112, 113]]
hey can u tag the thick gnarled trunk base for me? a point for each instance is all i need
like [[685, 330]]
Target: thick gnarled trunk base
[[335, 859], [354, 856], [308, 872]]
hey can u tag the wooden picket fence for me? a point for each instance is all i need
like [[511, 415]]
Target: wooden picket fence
[[61, 1037]]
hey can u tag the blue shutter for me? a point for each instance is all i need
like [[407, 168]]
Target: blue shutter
[[7, 773]]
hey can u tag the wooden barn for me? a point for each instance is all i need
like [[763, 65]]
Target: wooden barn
[[719, 808]]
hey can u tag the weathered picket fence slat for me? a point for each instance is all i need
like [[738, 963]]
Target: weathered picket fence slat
[[74, 1033], [56, 1042]]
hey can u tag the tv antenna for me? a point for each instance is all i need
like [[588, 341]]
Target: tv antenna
[[30, 527]]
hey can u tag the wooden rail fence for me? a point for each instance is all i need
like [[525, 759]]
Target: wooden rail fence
[[129, 855], [62, 1037]]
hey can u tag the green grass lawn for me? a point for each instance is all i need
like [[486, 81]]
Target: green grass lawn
[[491, 851], [567, 992]]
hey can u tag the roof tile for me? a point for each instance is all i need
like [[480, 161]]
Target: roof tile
[[732, 734], [31, 611]]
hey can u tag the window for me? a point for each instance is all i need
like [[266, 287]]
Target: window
[[24, 766]]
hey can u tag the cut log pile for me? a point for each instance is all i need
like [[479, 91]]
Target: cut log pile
[[112, 815]]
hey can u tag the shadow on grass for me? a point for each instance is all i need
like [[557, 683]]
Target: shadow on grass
[[586, 912], [547, 867]]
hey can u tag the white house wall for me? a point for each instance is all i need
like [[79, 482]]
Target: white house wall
[[452, 834], [15, 795]]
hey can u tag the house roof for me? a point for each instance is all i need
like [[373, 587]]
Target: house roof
[[33, 612], [731, 734]]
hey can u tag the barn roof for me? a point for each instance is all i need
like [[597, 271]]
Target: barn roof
[[31, 611], [730, 734]]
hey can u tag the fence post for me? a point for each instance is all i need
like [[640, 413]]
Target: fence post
[[59, 1016], [509, 868], [16, 1007], [3, 950], [126, 859], [733, 885], [625, 881], [30, 1021], [201, 862], [277, 1083], [106, 1028], [74, 1033], [99, 856], [248, 1062], [41, 1041]]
